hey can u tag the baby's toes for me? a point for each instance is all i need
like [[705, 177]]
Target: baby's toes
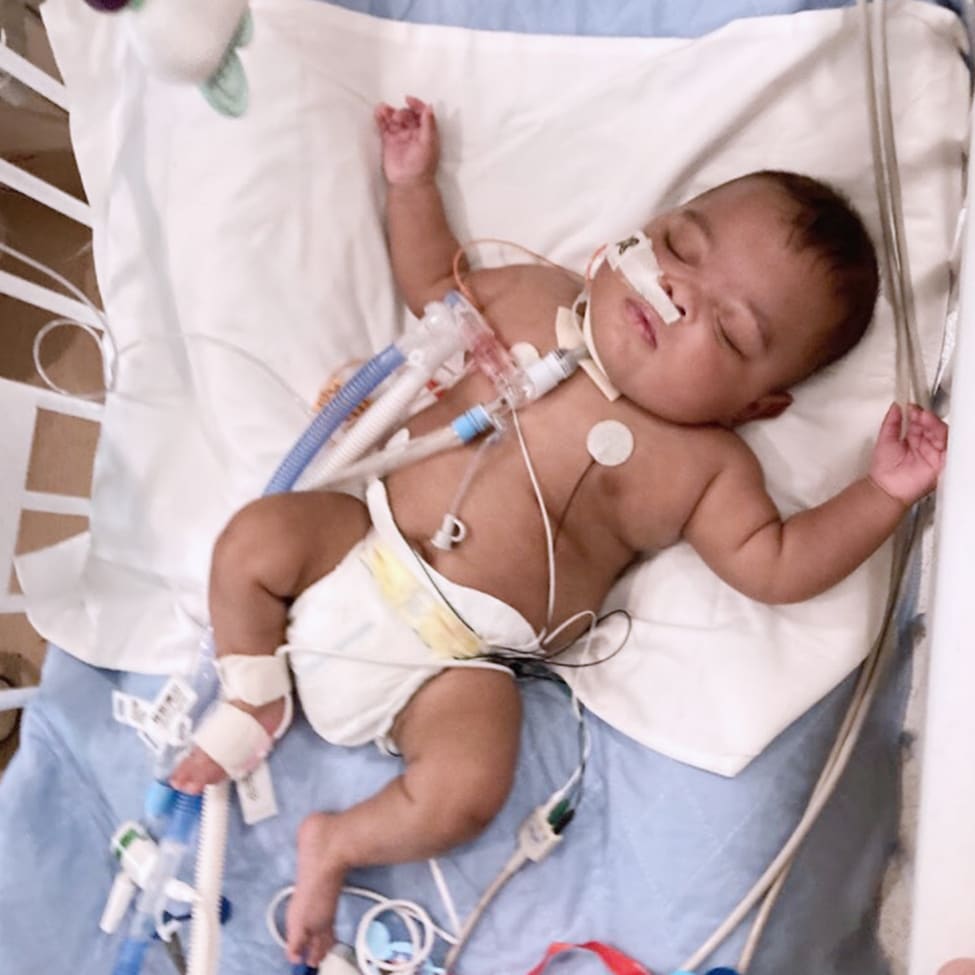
[[308, 945], [196, 772]]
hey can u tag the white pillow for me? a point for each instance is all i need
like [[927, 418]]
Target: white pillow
[[266, 232]]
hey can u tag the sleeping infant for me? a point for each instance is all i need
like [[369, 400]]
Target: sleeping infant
[[756, 284]]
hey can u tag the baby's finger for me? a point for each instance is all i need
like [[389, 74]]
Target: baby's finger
[[890, 428], [417, 104], [428, 121], [934, 427], [382, 114], [406, 118], [934, 458], [296, 944]]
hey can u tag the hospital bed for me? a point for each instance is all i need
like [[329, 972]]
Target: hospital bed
[[660, 849]]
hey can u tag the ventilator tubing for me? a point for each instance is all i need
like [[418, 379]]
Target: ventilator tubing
[[437, 338], [333, 415], [152, 900], [440, 334]]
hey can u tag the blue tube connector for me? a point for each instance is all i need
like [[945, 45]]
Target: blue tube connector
[[131, 956], [470, 425]]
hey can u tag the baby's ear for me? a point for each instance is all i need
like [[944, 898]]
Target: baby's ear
[[764, 408]]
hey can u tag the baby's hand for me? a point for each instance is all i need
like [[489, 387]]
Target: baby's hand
[[908, 469], [411, 146]]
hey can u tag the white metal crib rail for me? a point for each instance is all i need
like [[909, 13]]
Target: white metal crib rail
[[20, 402]]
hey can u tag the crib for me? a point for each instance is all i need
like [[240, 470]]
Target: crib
[[824, 920]]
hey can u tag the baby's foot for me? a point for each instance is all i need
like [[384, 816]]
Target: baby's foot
[[198, 770], [320, 875]]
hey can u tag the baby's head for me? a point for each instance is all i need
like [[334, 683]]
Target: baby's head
[[774, 276]]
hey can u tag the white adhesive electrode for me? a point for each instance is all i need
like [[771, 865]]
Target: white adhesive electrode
[[634, 258], [610, 443]]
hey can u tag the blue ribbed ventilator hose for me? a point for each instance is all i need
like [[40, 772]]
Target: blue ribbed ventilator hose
[[332, 416]]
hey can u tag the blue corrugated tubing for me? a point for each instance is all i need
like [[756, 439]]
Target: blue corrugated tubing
[[331, 417]]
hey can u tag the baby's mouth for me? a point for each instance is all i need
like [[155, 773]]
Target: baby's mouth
[[641, 318]]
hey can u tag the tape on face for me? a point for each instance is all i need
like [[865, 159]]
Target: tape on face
[[634, 258]]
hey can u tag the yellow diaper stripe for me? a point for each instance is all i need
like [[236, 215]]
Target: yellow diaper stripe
[[447, 636]]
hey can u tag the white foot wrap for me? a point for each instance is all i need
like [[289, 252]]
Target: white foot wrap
[[234, 739]]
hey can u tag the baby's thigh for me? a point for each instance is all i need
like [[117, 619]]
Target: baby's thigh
[[460, 733]]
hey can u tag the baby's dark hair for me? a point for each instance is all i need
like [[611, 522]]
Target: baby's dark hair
[[826, 223]]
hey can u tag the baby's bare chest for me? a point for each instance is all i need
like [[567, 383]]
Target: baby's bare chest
[[542, 485], [538, 488]]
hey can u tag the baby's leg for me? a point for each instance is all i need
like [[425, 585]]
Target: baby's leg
[[271, 550], [459, 739]]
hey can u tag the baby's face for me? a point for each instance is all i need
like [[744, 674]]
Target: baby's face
[[754, 309]]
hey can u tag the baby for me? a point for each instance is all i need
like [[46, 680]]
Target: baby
[[770, 277]]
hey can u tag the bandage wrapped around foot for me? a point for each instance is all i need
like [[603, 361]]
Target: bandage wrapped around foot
[[234, 739]]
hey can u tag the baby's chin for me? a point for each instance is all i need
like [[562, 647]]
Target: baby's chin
[[682, 410]]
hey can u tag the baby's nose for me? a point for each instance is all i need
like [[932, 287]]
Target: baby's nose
[[668, 287]]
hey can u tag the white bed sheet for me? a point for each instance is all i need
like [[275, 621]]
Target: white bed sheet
[[266, 232]]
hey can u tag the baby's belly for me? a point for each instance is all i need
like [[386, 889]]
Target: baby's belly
[[504, 551]]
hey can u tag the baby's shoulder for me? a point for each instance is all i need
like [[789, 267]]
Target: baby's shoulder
[[671, 468], [706, 447], [524, 289]]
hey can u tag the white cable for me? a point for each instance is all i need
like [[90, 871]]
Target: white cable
[[421, 928], [42, 333], [911, 384], [514, 864], [546, 523], [910, 376], [106, 341], [835, 765], [410, 914], [16, 697], [444, 891]]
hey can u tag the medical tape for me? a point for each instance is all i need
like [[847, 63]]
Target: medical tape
[[254, 678], [634, 258]]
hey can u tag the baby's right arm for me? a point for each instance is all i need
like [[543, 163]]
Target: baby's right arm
[[421, 243]]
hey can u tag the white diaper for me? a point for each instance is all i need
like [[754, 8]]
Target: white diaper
[[354, 637]]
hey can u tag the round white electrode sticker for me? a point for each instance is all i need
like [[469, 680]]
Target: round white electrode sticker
[[610, 443]]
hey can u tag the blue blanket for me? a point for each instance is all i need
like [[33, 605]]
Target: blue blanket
[[656, 856]]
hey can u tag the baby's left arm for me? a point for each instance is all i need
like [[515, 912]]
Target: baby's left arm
[[738, 531]]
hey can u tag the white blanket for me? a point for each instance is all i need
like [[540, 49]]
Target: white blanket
[[266, 233]]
